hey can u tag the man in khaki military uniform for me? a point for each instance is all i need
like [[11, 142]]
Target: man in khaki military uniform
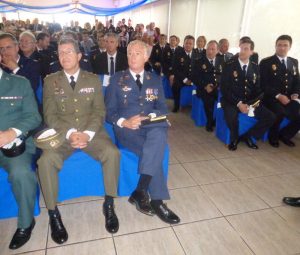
[[73, 106]]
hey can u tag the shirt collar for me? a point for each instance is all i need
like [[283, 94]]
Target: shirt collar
[[114, 56], [75, 75], [242, 64], [280, 58], [1, 72], [134, 75]]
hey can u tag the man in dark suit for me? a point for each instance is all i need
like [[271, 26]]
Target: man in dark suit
[[12, 62], [35, 26], [206, 76], [156, 56], [111, 61], [241, 92], [182, 69], [200, 50], [133, 96], [280, 81], [74, 107], [223, 50], [19, 115]]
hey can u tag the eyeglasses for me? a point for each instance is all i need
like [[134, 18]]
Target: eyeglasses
[[66, 52], [7, 48]]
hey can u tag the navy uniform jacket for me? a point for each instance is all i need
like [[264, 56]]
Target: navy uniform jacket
[[18, 107], [124, 100], [226, 56], [199, 54], [277, 80], [235, 87], [205, 73], [156, 57], [182, 66], [168, 57], [100, 64], [29, 69]]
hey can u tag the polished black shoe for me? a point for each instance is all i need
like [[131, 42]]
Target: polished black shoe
[[165, 214], [233, 146], [287, 142], [292, 201], [142, 202], [111, 219], [21, 236], [58, 232], [249, 142], [274, 143]]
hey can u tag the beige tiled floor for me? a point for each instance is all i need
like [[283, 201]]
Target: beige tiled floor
[[229, 203]]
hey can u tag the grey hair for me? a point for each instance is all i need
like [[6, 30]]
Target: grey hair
[[68, 40], [114, 35], [141, 44], [10, 36], [28, 33]]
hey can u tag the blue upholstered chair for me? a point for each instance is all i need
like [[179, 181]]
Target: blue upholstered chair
[[167, 87], [186, 93]]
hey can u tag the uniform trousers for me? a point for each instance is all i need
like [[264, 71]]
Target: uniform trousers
[[149, 143], [24, 185], [290, 111], [265, 119], [100, 148], [209, 100]]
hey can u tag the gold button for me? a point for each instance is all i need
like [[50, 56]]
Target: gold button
[[286, 86], [215, 79], [286, 74], [77, 119], [246, 80], [245, 87], [76, 110], [286, 81], [141, 104], [88, 99], [75, 100]]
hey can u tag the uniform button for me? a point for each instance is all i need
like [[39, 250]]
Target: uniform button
[[75, 100], [215, 79], [88, 99], [12, 104], [246, 80], [141, 104], [286, 86], [76, 110], [125, 96], [286, 81], [286, 74], [77, 119], [245, 87]]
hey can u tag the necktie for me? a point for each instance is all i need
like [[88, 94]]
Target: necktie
[[244, 70], [212, 63], [72, 83], [112, 66], [138, 81], [173, 50], [283, 64]]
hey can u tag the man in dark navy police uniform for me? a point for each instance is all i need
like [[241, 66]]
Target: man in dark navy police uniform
[[182, 68], [206, 76], [280, 80], [156, 57], [241, 92], [131, 97]]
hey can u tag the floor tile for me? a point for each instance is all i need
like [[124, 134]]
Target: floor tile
[[208, 171], [82, 224], [179, 178], [233, 197], [272, 189], [103, 247], [131, 220], [38, 236], [191, 204], [291, 215], [266, 233], [210, 237], [155, 242]]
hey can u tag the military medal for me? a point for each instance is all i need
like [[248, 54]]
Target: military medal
[[61, 92], [295, 70], [254, 78], [126, 88], [274, 67], [203, 66], [181, 60], [235, 74], [147, 77]]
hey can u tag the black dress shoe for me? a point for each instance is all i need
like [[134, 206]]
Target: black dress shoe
[[21, 236], [287, 142], [165, 214], [58, 232], [250, 143], [292, 201], [233, 146], [274, 143], [111, 219], [141, 200]]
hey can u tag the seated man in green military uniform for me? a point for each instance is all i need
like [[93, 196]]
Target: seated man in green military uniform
[[19, 115]]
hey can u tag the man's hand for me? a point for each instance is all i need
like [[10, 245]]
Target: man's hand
[[10, 63], [209, 88], [188, 82], [79, 140], [7, 137], [134, 122], [171, 79], [294, 96], [283, 99], [244, 108]]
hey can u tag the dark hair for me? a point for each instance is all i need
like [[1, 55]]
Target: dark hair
[[41, 36], [286, 38], [174, 37], [10, 36], [247, 39], [189, 37], [213, 41]]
